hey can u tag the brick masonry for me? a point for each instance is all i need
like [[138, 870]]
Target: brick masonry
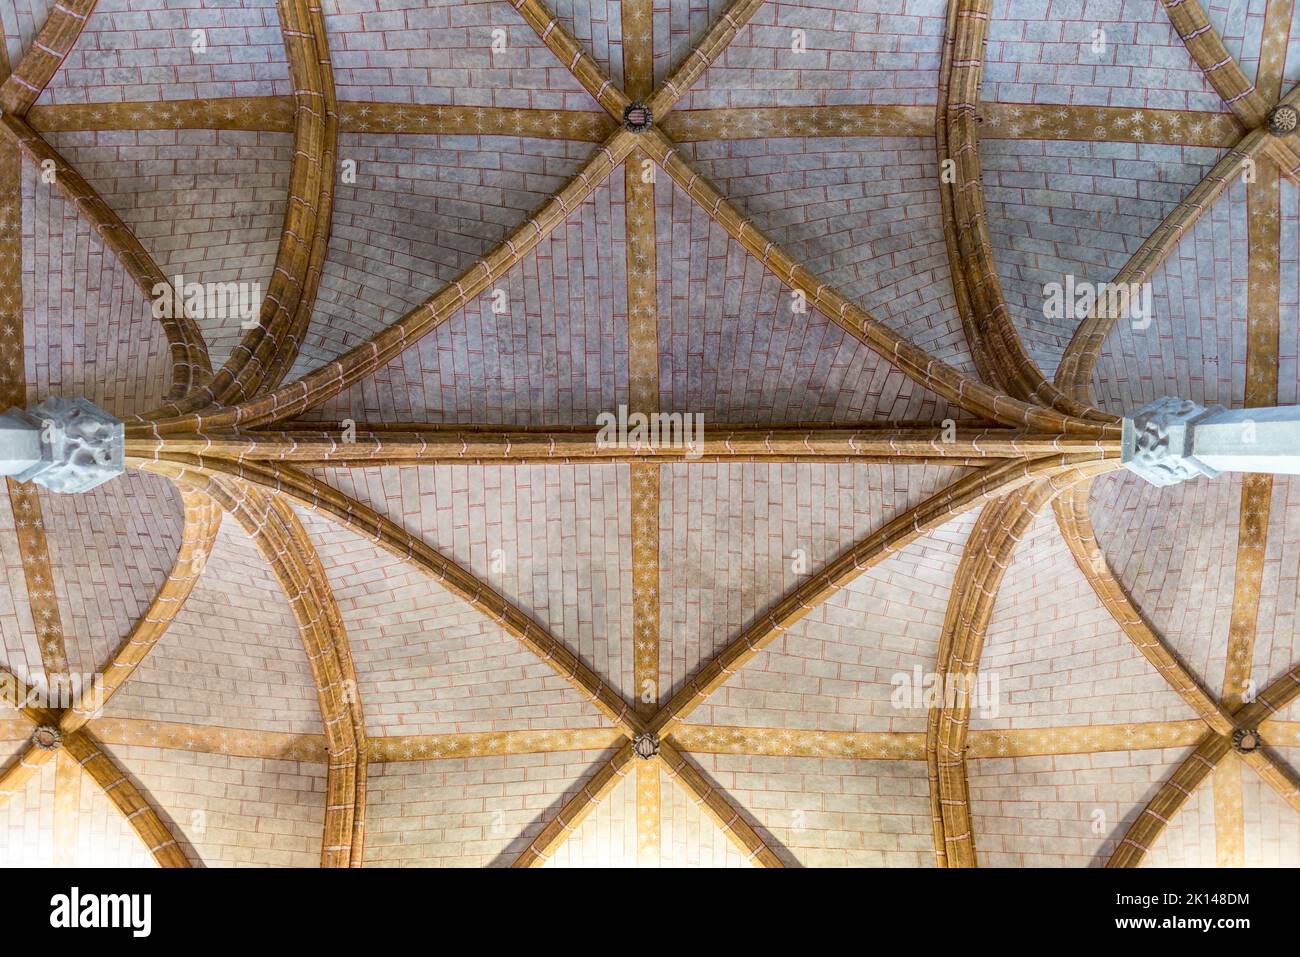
[[133, 51]]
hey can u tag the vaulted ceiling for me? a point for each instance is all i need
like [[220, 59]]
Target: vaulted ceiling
[[372, 590]]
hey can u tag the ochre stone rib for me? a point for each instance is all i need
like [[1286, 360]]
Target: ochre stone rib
[[348, 512], [448, 445], [573, 811], [985, 559], [995, 344], [709, 799], [284, 544], [134, 805], [1074, 375], [1076, 528], [571, 54], [189, 355], [1168, 801], [703, 55], [51, 46], [331, 379], [1205, 46], [267, 351], [937, 376], [959, 497], [199, 533]]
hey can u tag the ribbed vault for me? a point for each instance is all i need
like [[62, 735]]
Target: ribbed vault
[[376, 592]]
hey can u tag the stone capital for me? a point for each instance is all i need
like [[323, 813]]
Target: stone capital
[[65, 445]]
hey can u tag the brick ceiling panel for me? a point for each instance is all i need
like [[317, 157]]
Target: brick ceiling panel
[[733, 349], [1181, 578], [1061, 209], [1189, 839], [1065, 810], [87, 327], [232, 658], [142, 50], [823, 812], [20, 20], [19, 642], [557, 355], [1271, 826], [850, 51], [1288, 377], [207, 205], [110, 551], [101, 836], [1277, 630], [441, 51], [1037, 55], [1058, 656], [556, 542], [467, 812], [1195, 344], [104, 838], [607, 837], [27, 823], [688, 836], [1240, 24], [835, 669], [229, 811], [429, 663], [861, 212], [736, 538]]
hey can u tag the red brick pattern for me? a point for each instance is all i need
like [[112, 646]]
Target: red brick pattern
[[1288, 384], [1272, 833], [1195, 347], [857, 51], [20, 20], [1037, 55], [133, 50], [422, 209], [110, 551], [27, 821], [471, 812], [236, 812], [1277, 636], [206, 204], [1189, 840], [1047, 811], [825, 812], [428, 663], [733, 349], [690, 838], [729, 534], [834, 669], [861, 212], [438, 51], [1240, 25], [557, 355], [1182, 579], [1059, 656], [103, 837], [1082, 209], [87, 328], [18, 638], [556, 542], [232, 657], [608, 835]]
